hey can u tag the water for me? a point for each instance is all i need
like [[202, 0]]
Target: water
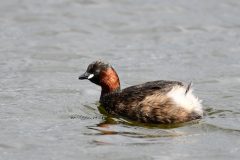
[[47, 113]]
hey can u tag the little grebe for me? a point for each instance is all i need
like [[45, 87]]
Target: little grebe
[[152, 102]]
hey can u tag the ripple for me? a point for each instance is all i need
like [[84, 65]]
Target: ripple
[[214, 113], [137, 134], [82, 117]]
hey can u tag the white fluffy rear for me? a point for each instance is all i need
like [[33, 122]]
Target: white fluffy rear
[[187, 101]]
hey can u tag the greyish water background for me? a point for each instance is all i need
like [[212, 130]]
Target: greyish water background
[[47, 113]]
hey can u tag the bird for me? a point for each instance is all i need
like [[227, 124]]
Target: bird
[[154, 102]]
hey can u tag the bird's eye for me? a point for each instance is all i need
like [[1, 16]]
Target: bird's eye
[[97, 71]]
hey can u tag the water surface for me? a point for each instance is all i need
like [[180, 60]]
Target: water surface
[[47, 113]]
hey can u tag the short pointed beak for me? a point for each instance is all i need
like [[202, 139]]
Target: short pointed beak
[[84, 76]]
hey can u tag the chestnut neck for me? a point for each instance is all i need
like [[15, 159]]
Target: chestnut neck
[[109, 81]]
